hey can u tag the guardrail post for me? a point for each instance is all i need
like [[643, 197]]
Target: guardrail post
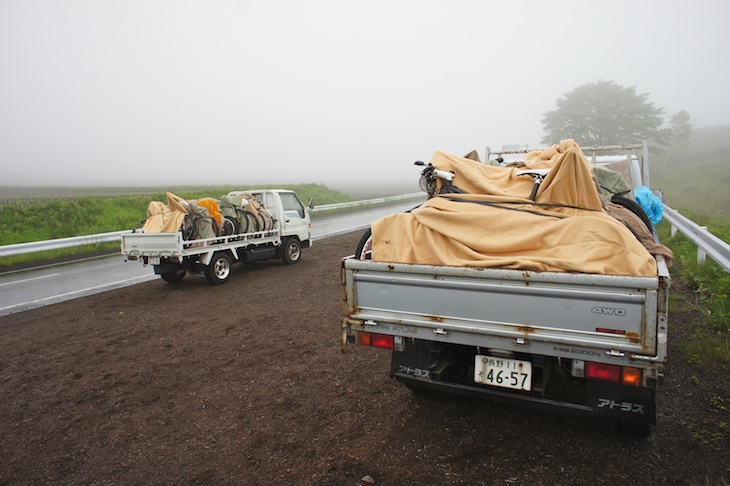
[[701, 254]]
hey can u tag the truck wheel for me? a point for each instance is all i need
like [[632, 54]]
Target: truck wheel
[[292, 251], [173, 277], [219, 268]]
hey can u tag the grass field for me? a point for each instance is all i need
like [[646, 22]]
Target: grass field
[[36, 214], [696, 179]]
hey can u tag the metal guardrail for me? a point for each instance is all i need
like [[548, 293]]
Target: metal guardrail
[[368, 202], [59, 243], [114, 236], [707, 243]]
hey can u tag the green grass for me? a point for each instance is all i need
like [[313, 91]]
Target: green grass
[[710, 339], [695, 180]]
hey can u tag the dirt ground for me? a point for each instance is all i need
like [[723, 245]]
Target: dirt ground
[[245, 383]]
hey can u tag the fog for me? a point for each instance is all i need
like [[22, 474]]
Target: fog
[[341, 93]]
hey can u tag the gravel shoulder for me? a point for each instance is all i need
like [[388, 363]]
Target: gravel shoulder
[[245, 383]]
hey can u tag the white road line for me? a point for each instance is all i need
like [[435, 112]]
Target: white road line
[[29, 279], [80, 291], [339, 232]]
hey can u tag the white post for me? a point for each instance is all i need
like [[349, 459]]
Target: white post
[[701, 255]]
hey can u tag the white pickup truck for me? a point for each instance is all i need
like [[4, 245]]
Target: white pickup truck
[[586, 344], [172, 256]]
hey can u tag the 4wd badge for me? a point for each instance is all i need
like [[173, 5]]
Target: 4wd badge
[[609, 311]]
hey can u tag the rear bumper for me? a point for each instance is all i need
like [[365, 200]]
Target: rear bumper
[[602, 400], [495, 395]]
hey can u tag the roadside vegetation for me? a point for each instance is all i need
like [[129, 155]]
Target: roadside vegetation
[[710, 340], [694, 180]]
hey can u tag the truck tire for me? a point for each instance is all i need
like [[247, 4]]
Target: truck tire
[[292, 251], [219, 268], [173, 277]]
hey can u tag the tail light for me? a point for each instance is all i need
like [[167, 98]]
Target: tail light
[[604, 372], [375, 340], [613, 373], [631, 376]]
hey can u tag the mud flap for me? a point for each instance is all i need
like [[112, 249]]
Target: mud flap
[[414, 360], [622, 402], [167, 267]]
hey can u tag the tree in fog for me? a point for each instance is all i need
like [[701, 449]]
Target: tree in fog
[[604, 113], [678, 134], [680, 129]]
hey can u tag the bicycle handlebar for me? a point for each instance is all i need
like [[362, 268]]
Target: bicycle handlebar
[[441, 174], [448, 176]]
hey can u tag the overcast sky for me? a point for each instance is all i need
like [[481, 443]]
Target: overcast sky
[[177, 92]]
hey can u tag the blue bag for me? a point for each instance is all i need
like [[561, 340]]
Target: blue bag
[[651, 204]]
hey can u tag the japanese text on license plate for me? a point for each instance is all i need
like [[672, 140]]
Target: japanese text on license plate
[[507, 373]]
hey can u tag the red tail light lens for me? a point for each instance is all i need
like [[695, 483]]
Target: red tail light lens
[[382, 341], [605, 372]]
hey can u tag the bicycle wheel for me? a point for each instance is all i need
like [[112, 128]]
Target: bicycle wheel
[[268, 219], [364, 248], [242, 221], [229, 226], [188, 228], [427, 185], [255, 222]]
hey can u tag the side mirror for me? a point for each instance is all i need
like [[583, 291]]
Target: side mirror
[[311, 203]]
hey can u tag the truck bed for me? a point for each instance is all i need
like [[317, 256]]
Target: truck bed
[[166, 245], [588, 316]]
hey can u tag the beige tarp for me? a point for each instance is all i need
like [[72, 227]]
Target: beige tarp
[[566, 228], [166, 218]]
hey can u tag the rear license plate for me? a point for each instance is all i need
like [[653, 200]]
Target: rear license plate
[[507, 373]]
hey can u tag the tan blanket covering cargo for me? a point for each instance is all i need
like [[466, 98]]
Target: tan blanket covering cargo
[[163, 218], [566, 228]]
